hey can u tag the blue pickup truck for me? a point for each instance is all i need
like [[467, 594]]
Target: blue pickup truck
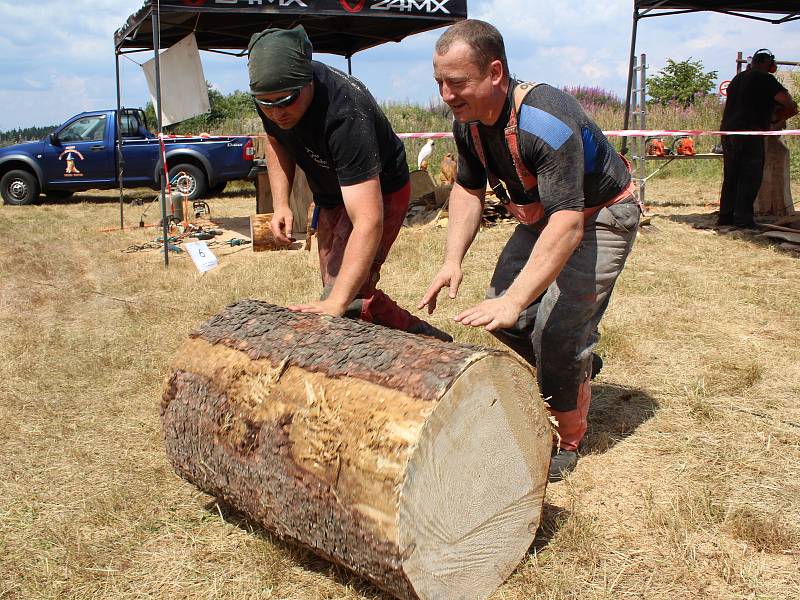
[[81, 155]]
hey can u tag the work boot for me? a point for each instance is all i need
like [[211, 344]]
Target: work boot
[[423, 328], [597, 365], [561, 462]]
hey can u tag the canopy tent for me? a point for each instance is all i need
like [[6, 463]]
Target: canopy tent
[[341, 27], [770, 11]]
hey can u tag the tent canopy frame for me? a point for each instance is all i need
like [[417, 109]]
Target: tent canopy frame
[[784, 11]]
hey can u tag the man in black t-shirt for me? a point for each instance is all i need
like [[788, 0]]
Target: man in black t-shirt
[[753, 97], [330, 125], [578, 219]]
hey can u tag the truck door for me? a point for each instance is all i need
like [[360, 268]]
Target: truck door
[[140, 149], [80, 153]]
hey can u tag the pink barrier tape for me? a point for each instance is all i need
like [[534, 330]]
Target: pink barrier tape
[[425, 135], [639, 133], [610, 133], [677, 132]]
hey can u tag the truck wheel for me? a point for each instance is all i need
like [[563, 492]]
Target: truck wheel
[[19, 187], [189, 181]]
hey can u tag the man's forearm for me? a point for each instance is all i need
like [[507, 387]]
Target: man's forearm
[[359, 253], [787, 107], [464, 214], [364, 205], [558, 240]]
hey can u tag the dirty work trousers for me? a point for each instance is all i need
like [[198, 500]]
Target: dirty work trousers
[[371, 304], [557, 332], [743, 167]]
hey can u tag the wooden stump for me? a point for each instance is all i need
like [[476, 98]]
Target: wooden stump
[[775, 195], [418, 464], [261, 234]]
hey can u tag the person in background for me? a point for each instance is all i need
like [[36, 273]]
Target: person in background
[[755, 99], [330, 125], [573, 196]]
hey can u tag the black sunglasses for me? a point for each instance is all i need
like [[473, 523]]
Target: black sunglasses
[[281, 103]]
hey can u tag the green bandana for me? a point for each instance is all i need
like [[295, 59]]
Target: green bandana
[[279, 60]]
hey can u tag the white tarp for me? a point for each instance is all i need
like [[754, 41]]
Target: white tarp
[[184, 93]]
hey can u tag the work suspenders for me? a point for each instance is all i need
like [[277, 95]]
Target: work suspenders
[[526, 213], [534, 212]]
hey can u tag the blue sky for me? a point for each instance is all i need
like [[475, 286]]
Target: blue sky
[[58, 57]]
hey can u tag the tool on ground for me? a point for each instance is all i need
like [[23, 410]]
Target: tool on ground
[[174, 248], [200, 208], [237, 242]]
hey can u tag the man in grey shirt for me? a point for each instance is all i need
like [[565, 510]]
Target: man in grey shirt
[[573, 196]]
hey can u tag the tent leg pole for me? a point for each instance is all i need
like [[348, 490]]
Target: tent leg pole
[[630, 79], [119, 147], [349, 65], [156, 48]]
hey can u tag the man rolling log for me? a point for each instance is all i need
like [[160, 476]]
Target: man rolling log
[[558, 175]]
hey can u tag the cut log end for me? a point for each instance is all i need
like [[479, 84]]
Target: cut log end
[[475, 484]]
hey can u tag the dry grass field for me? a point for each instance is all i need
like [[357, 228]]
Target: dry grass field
[[689, 485]]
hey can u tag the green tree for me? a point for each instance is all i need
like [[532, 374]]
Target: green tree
[[680, 82]]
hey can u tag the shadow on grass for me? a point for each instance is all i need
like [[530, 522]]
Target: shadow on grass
[[615, 413], [650, 204], [299, 554], [552, 519], [708, 221], [96, 198], [132, 197]]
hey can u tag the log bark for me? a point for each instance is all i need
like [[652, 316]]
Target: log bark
[[418, 464]]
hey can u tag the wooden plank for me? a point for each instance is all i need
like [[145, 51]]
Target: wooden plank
[[263, 193], [260, 147], [782, 235], [261, 234], [772, 227], [299, 200]]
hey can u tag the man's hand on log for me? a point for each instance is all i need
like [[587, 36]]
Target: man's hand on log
[[449, 276], [320, 307], [497, 313]]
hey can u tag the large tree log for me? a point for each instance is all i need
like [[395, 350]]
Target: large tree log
[[420, 465]]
